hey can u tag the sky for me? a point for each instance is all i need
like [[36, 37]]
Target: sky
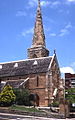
[[17, 19]]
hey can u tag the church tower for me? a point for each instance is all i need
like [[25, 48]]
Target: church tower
[[38, 48]]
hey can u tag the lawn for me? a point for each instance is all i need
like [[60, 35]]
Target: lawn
[[24, 108]]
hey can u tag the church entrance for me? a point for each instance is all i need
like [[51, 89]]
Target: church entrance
[[34, 99]]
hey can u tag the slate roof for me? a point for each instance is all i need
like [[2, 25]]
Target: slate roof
[[25, 67]]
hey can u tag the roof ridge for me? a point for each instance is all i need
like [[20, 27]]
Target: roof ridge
[[24, 60]]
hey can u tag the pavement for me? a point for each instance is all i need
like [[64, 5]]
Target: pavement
[[6, 116]]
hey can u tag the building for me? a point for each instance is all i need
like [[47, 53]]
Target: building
[[39, 73], [69, 80]]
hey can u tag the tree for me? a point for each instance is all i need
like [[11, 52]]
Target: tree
[[7, 96], [22, 96], [70, 95]]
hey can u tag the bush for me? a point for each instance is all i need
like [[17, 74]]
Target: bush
[[22, 96], [7, 97]]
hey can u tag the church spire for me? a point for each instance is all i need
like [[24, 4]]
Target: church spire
[[38, 37], [38, 48]]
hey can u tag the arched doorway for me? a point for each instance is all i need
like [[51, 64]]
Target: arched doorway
[[34, 99]]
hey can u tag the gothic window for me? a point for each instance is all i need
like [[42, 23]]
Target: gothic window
[[37, 81]]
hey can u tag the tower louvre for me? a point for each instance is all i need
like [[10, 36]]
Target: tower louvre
[[38, 48]]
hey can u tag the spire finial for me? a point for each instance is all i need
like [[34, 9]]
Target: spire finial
[[39, 3], [39, 7], [55, 51]]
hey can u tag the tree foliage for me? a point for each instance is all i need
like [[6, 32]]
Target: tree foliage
[[22, 96], [7, 96], [70, 95]]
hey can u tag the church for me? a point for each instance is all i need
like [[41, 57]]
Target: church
[[39, 73]]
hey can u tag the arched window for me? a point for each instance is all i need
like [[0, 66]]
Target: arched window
[[37, 81]]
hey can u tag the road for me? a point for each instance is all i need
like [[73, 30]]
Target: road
[[5, 116]]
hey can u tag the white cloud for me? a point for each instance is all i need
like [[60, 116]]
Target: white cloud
[[70, 0], [53, 34], [65, 30], [52, 4], [55, 3], [67, 70], [73, 64], [47, 29], [68, 26], [45, 3], [21, 13], [32, 3], [62, 11], [25, 32]]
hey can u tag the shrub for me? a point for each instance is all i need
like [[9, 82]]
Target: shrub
[[7, 97], [22, 96]]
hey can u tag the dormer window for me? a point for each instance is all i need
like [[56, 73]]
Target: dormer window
[[0, 66], [16, 65], [35, 62]]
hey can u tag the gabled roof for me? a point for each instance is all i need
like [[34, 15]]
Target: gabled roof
[[25, 67], [17, 83]]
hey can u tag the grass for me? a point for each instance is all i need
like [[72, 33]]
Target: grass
[[23, 108]]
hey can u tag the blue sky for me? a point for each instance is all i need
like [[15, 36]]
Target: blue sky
[[17, 18]]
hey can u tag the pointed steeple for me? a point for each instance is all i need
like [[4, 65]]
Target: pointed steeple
[[38, 37], [38, 48]]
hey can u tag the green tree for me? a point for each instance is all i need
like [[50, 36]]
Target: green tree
[[70, 95], [7, 96], [22, 96]]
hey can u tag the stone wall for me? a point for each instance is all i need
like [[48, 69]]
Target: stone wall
[[37, 52], [40, 89], [54, 82]]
